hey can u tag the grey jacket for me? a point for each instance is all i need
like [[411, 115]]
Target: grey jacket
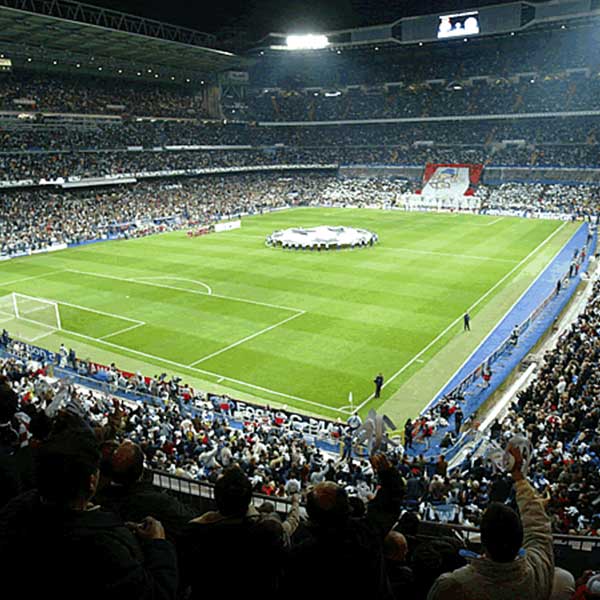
[[528, 577]]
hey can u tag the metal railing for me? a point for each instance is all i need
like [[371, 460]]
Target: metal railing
[[205, 490]]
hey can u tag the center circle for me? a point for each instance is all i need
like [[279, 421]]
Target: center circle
[[323, 237]]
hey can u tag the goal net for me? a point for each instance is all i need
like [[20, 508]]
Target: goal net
[[28, 318]]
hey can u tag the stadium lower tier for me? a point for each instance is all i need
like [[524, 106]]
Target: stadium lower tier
[[40, 218]]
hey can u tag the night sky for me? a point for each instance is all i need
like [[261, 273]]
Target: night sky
[[259, 17]]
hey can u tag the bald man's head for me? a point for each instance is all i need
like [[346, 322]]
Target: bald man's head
[[127, 463], [395, 546], [327, 503]]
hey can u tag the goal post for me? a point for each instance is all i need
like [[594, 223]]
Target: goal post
[[28, 313]]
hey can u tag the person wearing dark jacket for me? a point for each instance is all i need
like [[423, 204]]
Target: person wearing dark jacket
[[55, 544], [408, 434], [133, 498], [235, 551], [10, 477], [378, 381], [341, 556], [399, 573]]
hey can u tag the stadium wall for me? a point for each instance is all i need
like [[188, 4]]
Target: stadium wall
[[443, 119]]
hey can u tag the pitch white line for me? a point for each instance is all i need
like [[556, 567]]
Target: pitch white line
[[105, 337], [48, 274], [43, 335], [459, 318], [246, 339], [494, 222], [204, 372], [432, 253], [170, 287], [208, 288], [255, 302], [93, 310]]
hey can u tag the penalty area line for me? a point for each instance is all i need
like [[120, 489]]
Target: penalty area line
[[459, 318], [124, 330], [185, 291], [246, 339]]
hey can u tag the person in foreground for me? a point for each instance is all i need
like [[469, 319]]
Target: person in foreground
[[57, 544], [518, 559], [340, 555], [236, 549]]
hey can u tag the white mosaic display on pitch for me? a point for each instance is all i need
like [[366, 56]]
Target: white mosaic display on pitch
[[334, 236]]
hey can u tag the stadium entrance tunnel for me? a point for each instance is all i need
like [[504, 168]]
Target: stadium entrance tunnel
[[322, 238]]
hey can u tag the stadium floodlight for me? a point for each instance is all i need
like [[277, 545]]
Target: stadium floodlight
[[307, 42]]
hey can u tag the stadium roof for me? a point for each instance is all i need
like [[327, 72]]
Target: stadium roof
[[72, 32], [492, 20]]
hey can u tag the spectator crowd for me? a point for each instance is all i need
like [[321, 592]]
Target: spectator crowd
[[79, 514], [35, 219], [38, 218], [537, 198], [55, 93], [58, 135], [68, 451], [484, 97]]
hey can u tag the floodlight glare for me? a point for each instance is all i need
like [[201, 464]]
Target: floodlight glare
[[307, 42]]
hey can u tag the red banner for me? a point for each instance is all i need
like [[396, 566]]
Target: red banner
[[475, 171]]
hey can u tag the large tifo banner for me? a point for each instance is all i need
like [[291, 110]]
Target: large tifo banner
[[450, 181]]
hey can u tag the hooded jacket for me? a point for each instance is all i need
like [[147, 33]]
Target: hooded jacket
[[528, 577]]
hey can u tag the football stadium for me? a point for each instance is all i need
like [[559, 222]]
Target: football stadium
[[300, 290]]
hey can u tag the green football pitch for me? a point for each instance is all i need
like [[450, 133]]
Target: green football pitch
[[296, 329]]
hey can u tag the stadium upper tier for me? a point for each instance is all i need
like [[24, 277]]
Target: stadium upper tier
[[542, 52], [26, 92], [50, 135], [531, 92], [471, 102], [426, 100]]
